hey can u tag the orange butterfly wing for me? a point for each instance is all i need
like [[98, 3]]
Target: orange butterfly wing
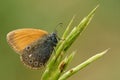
[[19, 39]]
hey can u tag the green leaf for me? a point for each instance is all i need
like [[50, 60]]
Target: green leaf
[[82, 65]]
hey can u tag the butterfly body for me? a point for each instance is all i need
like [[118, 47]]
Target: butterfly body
[[36, 52]]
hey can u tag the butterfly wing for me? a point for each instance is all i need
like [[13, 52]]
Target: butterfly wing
[[20, 38]]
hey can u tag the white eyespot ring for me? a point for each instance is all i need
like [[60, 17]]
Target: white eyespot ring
[[28, 48]]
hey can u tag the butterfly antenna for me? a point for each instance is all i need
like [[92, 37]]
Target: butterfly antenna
[[56, 28]]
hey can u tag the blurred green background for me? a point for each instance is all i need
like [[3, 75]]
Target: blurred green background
[[103, 32]]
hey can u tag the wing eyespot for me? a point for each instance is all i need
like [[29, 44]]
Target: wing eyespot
[[28, 48], [30, 61]]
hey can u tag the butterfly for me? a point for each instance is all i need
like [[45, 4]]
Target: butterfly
[[33, 45]]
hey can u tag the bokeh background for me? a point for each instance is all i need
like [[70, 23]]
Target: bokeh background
[[102, 33]]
